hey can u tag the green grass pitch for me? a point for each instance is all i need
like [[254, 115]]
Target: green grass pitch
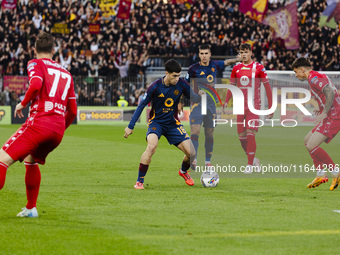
[[87, 204]]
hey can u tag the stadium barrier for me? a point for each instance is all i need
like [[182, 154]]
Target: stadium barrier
[[5, 115]]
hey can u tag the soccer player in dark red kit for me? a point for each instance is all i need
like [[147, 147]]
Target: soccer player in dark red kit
[[327, 123], [249, 75], [53, 108]]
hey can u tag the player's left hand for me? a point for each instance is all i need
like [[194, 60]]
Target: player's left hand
[[180, 108], [128, 132], [270, 116], [202, 92], [319, 118], [18, 110]]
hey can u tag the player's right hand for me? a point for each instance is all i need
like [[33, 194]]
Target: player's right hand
[[128, 132], [316, 112], [18, 111], [224, 108]]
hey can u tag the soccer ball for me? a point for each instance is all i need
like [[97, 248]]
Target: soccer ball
[[210, 179]]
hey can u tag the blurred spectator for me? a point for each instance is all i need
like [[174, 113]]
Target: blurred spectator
[[155, 32]]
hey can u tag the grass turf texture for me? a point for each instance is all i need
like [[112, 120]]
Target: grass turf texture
[[87, 204]]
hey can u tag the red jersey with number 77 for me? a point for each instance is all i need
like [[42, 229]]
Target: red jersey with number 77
[[48, 108], [317, 83]]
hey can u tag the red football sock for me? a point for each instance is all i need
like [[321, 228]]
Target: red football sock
[[3, 170], [317, 163], [251, 148], [32, 180], [244, 143], [319, 154]]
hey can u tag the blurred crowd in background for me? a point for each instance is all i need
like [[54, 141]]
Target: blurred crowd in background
[[111, 64]]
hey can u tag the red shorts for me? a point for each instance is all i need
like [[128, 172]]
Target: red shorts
[[32, 140], [247, 121], [328, 127]]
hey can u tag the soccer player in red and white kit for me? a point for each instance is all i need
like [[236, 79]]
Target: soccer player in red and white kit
[[327, 121], [53, 108], [248, 75]]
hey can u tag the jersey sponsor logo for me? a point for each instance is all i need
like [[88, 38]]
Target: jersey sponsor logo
[[161, 95], [169, 102], [48, 106], [244, 80], [210, 78], [31, 65], [314, 79], [245, 68], [202, 73], [213, 69], [176, 92]]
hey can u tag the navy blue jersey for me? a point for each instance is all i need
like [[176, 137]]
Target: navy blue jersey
[[204, 77], [164, 101]]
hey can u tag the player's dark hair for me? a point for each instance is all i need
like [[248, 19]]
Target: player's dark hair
[[172, 66], [204, 47], [44, 43], [299, 62], [245, 46]]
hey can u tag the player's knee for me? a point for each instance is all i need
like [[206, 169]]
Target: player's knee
[[309, 146], [151, 149], [306, 140]]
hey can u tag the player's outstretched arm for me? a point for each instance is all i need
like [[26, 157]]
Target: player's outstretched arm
[[128, 132], [232, 61]]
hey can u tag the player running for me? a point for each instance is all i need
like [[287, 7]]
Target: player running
[[327, 123], [164, 95], [248, 75], [53, 109], [203, 75]]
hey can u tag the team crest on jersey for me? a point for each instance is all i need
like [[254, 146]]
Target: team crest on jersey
[[314, 80], [244, 80], [213, 70], [154, 128], [176, 92], [192, 120], [320, 84]]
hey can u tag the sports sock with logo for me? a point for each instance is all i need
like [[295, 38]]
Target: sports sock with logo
[[32, 181], [251, 147], [244, 143], [142, 172], [194, 139], [320, 155], [209, 146]]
